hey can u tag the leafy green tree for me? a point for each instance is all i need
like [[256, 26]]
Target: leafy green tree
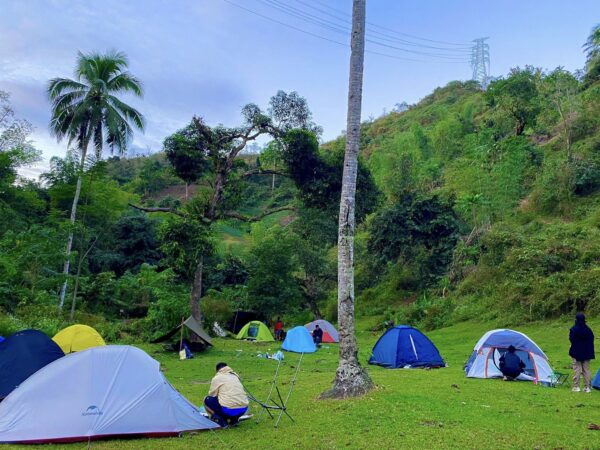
[[516, 96], [86, 110], [272, 287], [417, 229], [592, 49], [319, 176], [214, 152]]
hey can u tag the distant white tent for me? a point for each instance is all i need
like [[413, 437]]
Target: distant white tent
[[485, 359], [101, 392]]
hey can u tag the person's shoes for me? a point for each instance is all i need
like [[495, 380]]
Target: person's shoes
[[587, 390], [576, 389], [219, 421]]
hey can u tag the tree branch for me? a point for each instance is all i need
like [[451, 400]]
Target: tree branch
[[152, 210], [264, 172], [267, 212]]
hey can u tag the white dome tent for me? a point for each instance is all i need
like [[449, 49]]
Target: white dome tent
[[101, 392], [484, 361]]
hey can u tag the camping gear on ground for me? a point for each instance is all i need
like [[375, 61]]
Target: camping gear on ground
[[299, 340], [255, 331], [21, 355], [77, 338], [330, 334], [110, 391], [484, 361], [405, 347], [200, 340], [270, 404], [218, 330], [596, 380], [241, 318]]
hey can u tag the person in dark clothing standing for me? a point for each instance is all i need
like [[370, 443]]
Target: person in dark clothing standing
[[511, 365], [581, 351], [317, 335]]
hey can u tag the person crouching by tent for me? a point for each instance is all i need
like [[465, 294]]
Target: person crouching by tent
[[278, 330], [581, 351], [227, 400], [317, 335], [511, 365]]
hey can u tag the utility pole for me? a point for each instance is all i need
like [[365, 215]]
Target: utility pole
[[480, 61]]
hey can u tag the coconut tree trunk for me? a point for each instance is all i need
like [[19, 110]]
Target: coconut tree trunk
[[67, 264], [351, 379]]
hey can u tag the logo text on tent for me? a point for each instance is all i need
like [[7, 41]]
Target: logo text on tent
[[92, 411]]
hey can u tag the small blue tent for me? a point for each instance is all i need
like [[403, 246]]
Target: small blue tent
[[405, 347], [21, 355], [299, 340], [596, 380], [1, 338]]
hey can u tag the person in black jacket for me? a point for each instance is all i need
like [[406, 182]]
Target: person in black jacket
[[317, 335], [511, 365], [581, 351]]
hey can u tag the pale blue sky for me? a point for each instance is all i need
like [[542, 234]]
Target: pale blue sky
[[209, 57]]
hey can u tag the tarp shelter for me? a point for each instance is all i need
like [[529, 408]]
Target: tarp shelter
[[110, 391], [485, 359], [21, 355], [77, 338], [405, 347], [193, 327], [299, 340], [596, 380], [255, 331], [330, 334]]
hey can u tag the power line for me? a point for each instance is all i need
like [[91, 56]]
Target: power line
[[298, 13], [465, 44], [332, 40]]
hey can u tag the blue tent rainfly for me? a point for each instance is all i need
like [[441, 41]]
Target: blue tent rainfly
[[405, 347]]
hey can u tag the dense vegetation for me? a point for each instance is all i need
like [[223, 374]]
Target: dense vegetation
[[472, 205]]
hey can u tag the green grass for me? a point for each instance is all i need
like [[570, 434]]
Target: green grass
[[409, 409]]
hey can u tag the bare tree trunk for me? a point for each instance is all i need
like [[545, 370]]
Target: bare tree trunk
[[197, 291], [351, 379], [186, 191], [76, 288], [63, 289]]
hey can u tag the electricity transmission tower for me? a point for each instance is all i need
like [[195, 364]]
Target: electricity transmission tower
[[480, 61]]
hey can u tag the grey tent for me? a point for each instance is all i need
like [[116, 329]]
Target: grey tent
[[195, 328]]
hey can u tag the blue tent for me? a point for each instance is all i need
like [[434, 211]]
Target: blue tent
[[21, 355], [596, 380], [405, 347], [299, 340], [1, 338]]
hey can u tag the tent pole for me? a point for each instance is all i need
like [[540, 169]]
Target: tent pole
[[181, 335], [270, 390], [283, 410]]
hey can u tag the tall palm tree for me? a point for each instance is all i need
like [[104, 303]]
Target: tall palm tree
[[350, 379], [87, 110]]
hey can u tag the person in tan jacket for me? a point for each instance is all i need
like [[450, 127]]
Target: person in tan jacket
[[227, 400]]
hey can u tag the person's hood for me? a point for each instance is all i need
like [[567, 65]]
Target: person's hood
[[226, 369], [580, 319]]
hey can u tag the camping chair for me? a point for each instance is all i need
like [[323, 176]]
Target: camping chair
[[280, 404], [558, 379]]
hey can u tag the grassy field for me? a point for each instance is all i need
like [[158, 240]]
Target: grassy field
[[409, 409]]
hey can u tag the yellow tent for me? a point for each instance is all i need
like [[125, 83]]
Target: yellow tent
[[78, 337]]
